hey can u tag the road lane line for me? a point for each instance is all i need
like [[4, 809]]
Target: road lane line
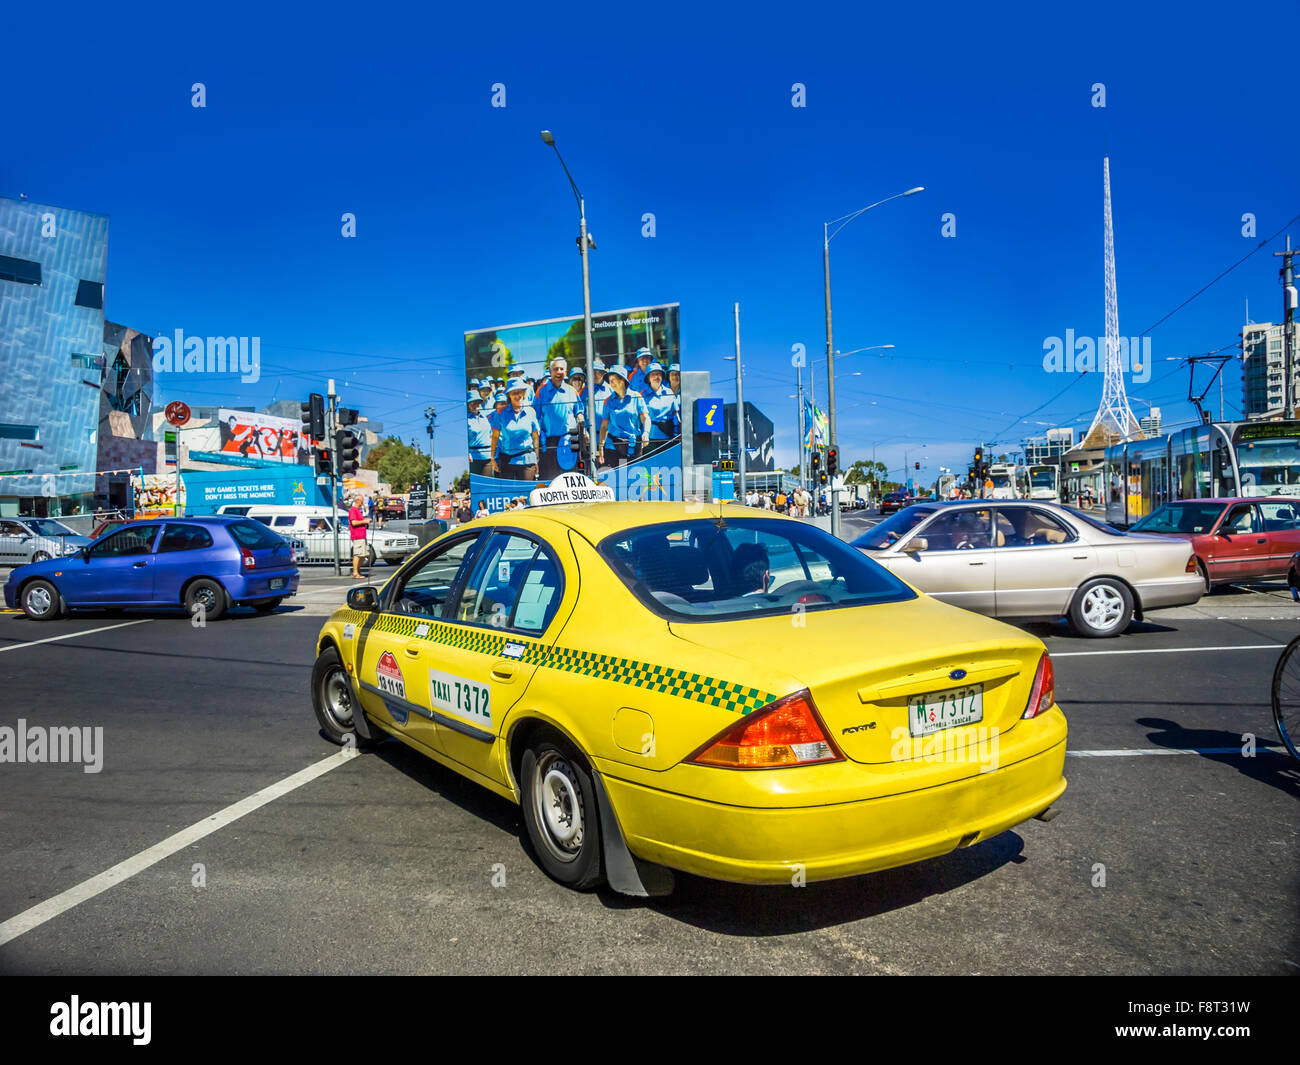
[[1170, 650], [88, 889], [71, 635], [1138, 751]]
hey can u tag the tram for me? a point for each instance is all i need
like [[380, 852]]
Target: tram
[[1219, 460]]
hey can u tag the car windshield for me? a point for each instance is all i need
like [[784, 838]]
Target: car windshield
[[1181, 518], [720, 569], [893, 528], [47, 527]]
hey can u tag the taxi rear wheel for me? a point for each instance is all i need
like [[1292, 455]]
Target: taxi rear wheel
[[561, 812], [332, 699]]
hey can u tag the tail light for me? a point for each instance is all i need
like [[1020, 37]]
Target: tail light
[[787, 732], [1043, 694], [1191, 564], [249, 560]]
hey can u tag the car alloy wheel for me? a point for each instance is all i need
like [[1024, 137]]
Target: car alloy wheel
[[41, 556], [40, 601], [1102, 607]]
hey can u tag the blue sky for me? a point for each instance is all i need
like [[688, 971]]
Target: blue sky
[[226, 219]]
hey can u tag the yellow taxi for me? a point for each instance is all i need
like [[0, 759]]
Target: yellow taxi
[[718, 690]]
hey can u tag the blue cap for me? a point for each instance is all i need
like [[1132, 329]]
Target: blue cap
[[515, 370], [654, 367], [643, 353], [500, 397], [578, 371], [675, 368], [473, 397], [597, 364], [617, 371], [516, 386]]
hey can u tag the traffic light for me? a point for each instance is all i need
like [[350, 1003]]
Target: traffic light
[[349, 450], [918, 465], [323, 459], [823, 478], [832, 461], [313, 416], [347, 416], [816, 463]]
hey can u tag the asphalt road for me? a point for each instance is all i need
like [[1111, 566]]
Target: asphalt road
[[1159, 862]]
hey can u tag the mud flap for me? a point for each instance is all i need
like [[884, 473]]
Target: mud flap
[[627, 874]]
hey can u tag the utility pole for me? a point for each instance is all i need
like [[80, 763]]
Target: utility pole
[[432, 416], [830, 372], [1288, 328], [803, 435], [740, 408], [331, 429]]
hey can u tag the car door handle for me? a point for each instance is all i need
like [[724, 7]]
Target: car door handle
[[975, 563], [137, 565], [1262, 540], [505, 676], [1080, 557], [412, 650]]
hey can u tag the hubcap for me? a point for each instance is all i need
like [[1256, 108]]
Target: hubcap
[[338, 699], [557, 802], [39, 600], [1102, 607]]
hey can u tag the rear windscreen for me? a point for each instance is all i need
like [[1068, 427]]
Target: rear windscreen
[[253, 534]]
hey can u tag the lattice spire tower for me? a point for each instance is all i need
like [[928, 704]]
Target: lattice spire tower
[[1114, 421]]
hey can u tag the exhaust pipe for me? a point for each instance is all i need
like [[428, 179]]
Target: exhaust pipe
[[1047, 815]]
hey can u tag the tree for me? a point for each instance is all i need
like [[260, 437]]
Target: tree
[[462, 482], [401, 465], [864, 471]]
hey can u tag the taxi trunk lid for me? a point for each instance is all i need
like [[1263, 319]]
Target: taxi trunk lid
[[868, 667]]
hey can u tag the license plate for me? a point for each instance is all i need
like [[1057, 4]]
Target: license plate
[[936, 711], [275, 583]]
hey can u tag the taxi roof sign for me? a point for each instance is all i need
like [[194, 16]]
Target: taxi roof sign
[[570, 488]]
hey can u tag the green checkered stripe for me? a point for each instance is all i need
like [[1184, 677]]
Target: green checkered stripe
[[736, 698], [349, 617]]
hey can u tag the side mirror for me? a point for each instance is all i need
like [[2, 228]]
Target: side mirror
[[917, 544], [364, 598]]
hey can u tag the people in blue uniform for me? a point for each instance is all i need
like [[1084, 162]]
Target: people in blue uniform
[[675, 380], [662, 405], [516, 437], [625, 423], [636, 379], [557, 408], [480, 435]]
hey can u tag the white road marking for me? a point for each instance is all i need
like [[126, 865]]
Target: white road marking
[[71, 635], [88, 889], [1139, 751], [1170, 650]]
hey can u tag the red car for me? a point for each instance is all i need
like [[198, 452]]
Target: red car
[[1233, 539]]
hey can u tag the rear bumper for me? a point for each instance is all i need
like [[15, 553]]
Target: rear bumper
[[252, 588], [774, 845], [1176, 591]]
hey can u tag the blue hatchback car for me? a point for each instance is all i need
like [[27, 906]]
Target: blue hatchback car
[[212, 563]]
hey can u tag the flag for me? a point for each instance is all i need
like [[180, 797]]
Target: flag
[[815, 420]]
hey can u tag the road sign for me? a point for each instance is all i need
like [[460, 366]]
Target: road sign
[[177, 412]]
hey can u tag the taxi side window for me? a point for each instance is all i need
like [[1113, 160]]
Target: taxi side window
[[489, 594], [425, 591], [539, 594]]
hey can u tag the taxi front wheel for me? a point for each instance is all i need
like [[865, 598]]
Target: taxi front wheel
[[332, 699], [561, 813]]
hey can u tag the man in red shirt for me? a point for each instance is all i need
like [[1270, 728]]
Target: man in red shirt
[[357, 522]]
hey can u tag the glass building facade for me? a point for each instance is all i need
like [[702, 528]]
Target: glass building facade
[[53, 265]]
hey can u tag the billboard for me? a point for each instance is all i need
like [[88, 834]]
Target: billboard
[[517, 444], [243, 438]]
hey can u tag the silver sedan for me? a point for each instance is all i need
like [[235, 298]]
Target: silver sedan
[[24, 540], [1033, 561]]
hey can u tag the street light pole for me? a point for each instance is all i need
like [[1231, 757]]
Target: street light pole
[[584, 241], [827, 237], [740, 407]]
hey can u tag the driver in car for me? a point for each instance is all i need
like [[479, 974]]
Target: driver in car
[[751, 567]]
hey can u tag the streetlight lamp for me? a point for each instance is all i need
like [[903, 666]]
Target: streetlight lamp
[[584, 242], [827, 237]]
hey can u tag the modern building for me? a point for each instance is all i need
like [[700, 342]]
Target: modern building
[[760, 439], [1151, 423], [53, 265], [1046, 450], [1262, 370]]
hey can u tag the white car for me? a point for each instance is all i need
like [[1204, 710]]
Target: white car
[[314, 528]]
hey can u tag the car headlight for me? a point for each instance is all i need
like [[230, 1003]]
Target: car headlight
[[70, 549]]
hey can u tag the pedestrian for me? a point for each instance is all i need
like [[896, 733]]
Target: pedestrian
[[662, 405], [357, 523], [482, 511], [636, 380], [464, 514]]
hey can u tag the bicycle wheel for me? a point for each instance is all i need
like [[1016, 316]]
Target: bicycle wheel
[[1286, 697]]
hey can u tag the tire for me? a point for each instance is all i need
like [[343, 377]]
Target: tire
[[267, 605], [1102, 607], [557, 785], [41, 601], [333, 700], [1286, 698], [208, 593], [370, 558], [40, 556], [1205, 576]]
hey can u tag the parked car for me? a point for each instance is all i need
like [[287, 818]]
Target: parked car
[[392, 507], [212, 563], [1034, 562], [314, 527], [1233, 539], [24, 540], [893, 502]]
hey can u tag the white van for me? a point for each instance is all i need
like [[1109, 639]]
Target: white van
[[314, 526]]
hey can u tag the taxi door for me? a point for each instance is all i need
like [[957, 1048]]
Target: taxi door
[[507, 612], [395, 645]]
